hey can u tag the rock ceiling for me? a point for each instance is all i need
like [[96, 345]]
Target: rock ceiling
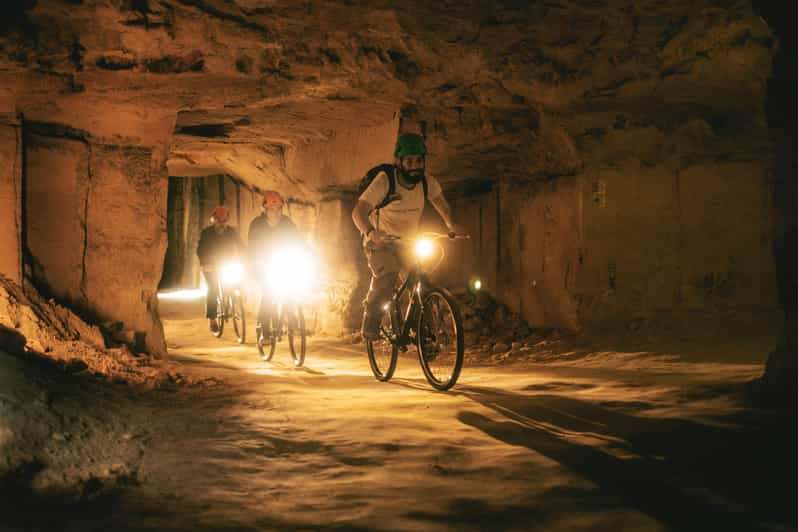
[[499, 88]]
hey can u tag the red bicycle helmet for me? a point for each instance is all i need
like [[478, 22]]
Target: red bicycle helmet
[[272, 198], [220, 214]]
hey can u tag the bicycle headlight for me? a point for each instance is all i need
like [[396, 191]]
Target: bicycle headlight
[[424, 248], [290, 272], [232, 273]]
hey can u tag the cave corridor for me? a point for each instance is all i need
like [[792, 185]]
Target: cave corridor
[[623, 296]]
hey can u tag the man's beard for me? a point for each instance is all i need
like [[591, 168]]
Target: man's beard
[[413, 176]]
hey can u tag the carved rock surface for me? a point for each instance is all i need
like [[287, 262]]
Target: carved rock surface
[[611, 157]]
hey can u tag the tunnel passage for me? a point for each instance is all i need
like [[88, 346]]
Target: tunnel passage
[[324, 226], [626, 187], [632, 167], [189, 206]]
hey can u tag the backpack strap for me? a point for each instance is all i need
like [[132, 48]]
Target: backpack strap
[[390, 172]]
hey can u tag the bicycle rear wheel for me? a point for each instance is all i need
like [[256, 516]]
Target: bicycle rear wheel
[[221, 312], [267, 339], [382, 353], [440, 339], [239, 319], [296, 334]]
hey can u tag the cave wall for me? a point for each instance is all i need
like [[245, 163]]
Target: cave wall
[[340, 160], [646, 195], [95, 229], [625, 244], [781, 369], [11, 197], [658, 106], [126, 211], [56, 188], [659, 241], [524, 247]]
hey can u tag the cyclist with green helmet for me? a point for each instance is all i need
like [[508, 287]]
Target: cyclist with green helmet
[[392, 204]]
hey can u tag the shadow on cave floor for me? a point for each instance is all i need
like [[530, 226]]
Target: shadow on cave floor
[[736, 473], [731, 472]]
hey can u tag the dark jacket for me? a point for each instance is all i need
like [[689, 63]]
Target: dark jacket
[[264, 239], [214, 247]]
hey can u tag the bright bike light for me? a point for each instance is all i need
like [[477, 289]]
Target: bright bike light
[[232, 273], [477, 285], [424, 248], [290, 273]]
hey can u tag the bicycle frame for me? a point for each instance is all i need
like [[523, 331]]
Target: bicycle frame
[[224, 290], [278, 307], [415, 282]]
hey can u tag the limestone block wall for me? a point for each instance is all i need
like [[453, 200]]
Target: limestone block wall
[[11, 197], [524, 248], [343, 158], [624, 243], [56, 189], [95, 227], [126, 238], [692, 240]]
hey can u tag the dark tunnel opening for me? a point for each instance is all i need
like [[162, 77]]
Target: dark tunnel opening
[[191, 201]]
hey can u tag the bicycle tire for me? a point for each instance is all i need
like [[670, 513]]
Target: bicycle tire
[[267, 336], [259, 339], [449, 374], [239, 318], [276, 331], [382, 370], [297, 324], [220, 317]]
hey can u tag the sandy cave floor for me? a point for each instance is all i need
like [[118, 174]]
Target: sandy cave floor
[[603, 441]]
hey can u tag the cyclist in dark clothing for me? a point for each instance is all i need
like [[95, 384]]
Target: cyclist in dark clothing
[[266, 234], [217, 242]]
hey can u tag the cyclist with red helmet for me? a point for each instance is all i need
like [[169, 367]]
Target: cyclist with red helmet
[[217, 242], [266, 232]]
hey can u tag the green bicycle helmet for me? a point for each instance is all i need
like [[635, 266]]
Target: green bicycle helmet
[[409, 144]]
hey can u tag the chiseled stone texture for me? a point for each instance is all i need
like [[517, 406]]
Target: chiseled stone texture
[[608, 139], [11, 197]]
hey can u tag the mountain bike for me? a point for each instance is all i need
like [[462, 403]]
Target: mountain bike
[[288, 320], [288, 276], [423, 314], [230, 300]]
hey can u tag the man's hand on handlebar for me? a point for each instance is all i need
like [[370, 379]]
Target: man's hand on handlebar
[[377, 237], [453, 231]]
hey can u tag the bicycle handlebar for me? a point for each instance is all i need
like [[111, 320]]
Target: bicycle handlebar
[[434, 236]]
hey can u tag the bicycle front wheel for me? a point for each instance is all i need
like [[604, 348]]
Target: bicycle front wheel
[[297, 335], [239, 319], [440, 339], [382, 352], [221, 314]]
